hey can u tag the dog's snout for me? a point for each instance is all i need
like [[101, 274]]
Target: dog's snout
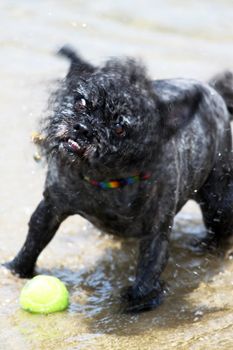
[[82, 129]]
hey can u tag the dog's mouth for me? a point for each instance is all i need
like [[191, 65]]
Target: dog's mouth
[[73, 147], [77, 144], [80, 149]]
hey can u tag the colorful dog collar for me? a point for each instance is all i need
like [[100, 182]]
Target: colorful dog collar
[[116, 183]]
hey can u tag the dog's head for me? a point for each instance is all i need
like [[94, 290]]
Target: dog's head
[[108, 116], [102, 115]]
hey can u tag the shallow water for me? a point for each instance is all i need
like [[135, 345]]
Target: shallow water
[[174, 38]]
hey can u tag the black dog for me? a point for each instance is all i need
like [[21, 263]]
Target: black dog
[[127, 153]]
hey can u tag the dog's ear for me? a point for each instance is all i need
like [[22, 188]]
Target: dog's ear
[[78, 66], [176, 114]]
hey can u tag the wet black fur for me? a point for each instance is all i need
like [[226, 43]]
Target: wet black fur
[[178, 130]]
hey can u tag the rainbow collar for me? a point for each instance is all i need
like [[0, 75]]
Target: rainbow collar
[[116, 183]]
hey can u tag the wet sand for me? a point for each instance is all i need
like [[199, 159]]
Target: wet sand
[[175, 38]]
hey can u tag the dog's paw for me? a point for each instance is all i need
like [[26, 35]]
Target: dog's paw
[[15, 270], [133, 302]]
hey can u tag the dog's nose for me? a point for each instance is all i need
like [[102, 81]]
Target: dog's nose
[[82, 129]]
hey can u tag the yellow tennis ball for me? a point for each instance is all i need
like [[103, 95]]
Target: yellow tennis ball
[[44, 294]]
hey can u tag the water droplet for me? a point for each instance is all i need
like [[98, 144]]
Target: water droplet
[[198, 313]]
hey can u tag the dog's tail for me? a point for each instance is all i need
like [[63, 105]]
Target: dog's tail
[[78, 65], [223, 84]]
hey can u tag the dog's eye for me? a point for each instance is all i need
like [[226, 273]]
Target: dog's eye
[[119, 130], [80, 104]]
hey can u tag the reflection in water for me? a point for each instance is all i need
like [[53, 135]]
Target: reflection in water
[[175, 38]]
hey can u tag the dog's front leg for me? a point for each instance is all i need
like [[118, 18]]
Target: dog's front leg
[[147, 292], [43, 225]]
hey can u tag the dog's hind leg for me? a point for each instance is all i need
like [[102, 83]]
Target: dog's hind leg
[[216, 201]]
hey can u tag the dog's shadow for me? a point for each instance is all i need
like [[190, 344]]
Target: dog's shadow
[[96, 292]]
